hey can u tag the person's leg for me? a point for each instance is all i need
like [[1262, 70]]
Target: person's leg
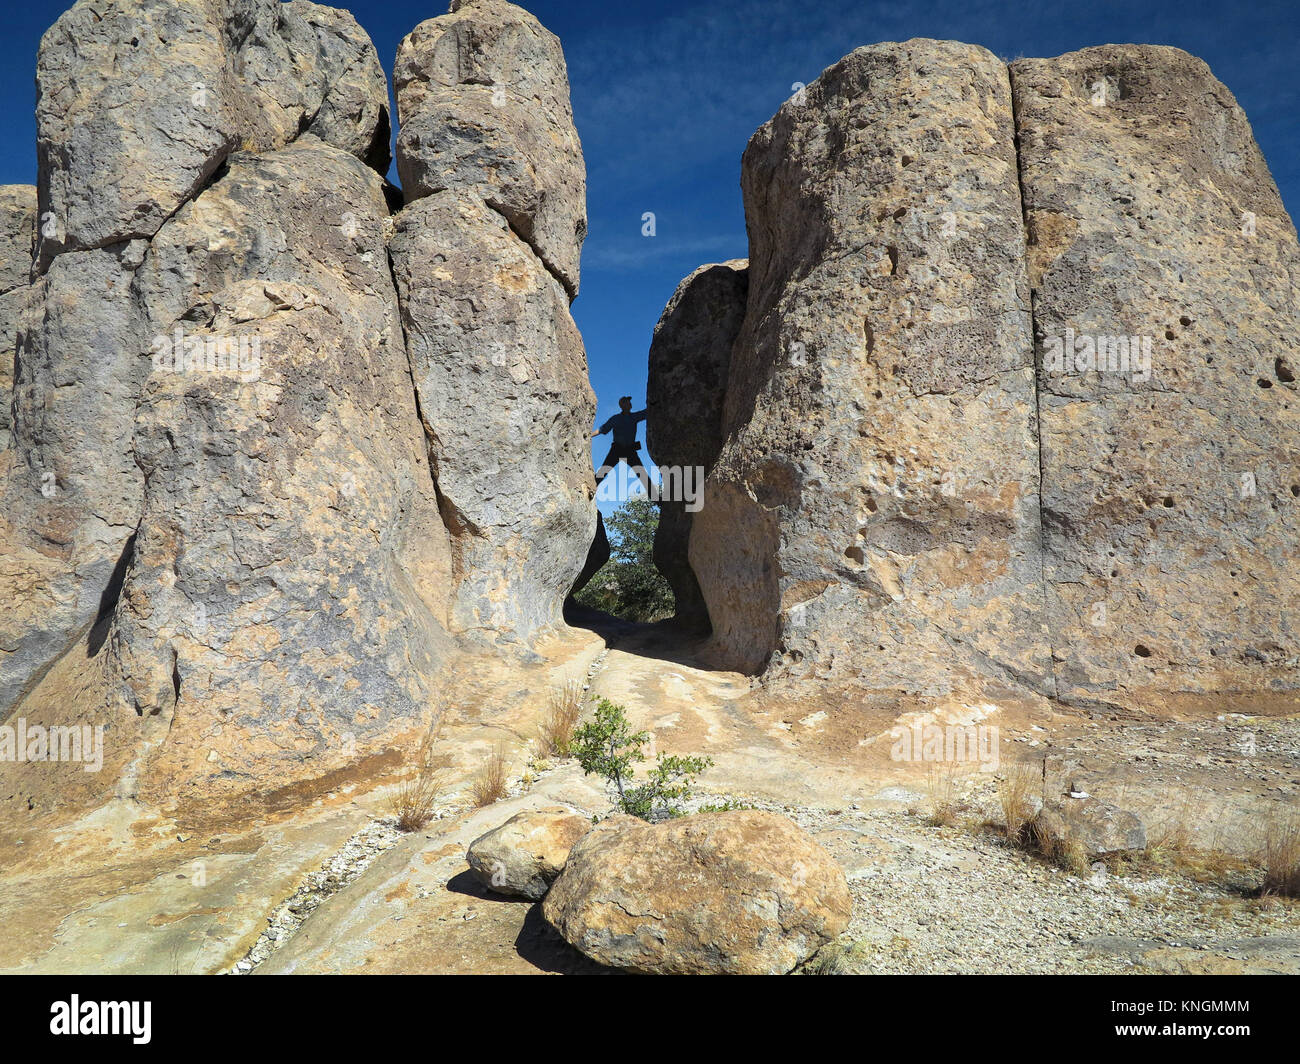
[[607, 466], [634, 463]]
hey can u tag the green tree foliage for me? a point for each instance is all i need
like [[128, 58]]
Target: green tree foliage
[[629, 585], [608, 747]]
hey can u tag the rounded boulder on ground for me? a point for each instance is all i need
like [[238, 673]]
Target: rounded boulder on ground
[[1097, 828], [743, 892], [523, 856]]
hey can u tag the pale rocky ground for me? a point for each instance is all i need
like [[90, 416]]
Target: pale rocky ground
[[334, 888]]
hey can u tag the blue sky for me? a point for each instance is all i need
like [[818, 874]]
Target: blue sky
[[666, 95]]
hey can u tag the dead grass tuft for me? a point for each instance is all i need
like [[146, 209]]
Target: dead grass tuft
[[490, 784], [945, 808], [1014, 796], [412, 804], [555, 733], [1280, 856]]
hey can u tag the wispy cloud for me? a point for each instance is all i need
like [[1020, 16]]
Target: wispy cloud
[[640, 252]]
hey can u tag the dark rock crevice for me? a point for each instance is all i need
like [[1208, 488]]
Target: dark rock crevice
[[1038, 408]]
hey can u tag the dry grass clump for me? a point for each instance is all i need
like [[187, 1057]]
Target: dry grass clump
[[555, 733], [412, 804], [1280, 856], [1015, 791], [1171, 847], [490, 784], [1063, 849], [945, 807]]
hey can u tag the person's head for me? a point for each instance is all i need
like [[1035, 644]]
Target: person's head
[[625, 404]]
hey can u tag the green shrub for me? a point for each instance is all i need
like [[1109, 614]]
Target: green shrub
[[608, 747], [629, 585]]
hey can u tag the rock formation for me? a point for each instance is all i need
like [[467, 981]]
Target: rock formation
[[873, 511], [736, 893], [483, 101], [687, 383], [137, 113], [249, 522], [485, 255], [17, 242], [911, 494], [1170, 485]]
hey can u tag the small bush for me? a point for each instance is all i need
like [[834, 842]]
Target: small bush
[[834, 958], [727, 805], [607, 746], [490, 784], [555, 734]]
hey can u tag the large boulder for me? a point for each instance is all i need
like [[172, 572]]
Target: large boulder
[[686, 387], [483, 103], [735, 893], [524, 855], [1159, 244], [873, 512]]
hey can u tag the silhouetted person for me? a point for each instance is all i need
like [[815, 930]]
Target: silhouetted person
[[625, 446]]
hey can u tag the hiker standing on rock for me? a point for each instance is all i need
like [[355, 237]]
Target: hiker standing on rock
[[625, 445]]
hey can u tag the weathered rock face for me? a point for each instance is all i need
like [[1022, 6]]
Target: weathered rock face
[[1170, 477], [17, 241], [739, 893], [289, 570], [483, 98], [908, 493], [138, 105], [138, 108], [524, 855], [224, 524], [687, 384], [73, 493], [485, 258], [873, 511]]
